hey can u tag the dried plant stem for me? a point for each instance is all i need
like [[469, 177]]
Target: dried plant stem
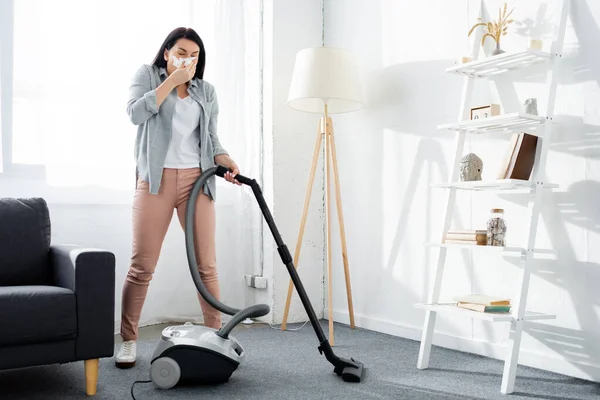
[[495, 29]]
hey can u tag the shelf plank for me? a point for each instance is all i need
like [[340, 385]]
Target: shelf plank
[[506, 123], [535, 316], [493, 185], [493, 317], [504, 250], [499, 64]]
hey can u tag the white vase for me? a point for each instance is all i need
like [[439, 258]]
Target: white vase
[[497, 50]]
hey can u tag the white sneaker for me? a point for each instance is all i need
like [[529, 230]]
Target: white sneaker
[[126, 355]]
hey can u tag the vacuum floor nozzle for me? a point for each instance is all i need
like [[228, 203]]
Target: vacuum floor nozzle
[[350, 370]]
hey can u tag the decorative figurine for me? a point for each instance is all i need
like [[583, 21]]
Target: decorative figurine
[[471, 167], [530, 106]]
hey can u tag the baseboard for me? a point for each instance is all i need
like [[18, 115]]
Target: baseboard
[[497, 351]]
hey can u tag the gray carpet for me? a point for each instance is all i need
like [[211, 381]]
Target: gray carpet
[[287, 365]]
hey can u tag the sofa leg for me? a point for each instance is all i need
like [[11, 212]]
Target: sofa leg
[[91, 376]]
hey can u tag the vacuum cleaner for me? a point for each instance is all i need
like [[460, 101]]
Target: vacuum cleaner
[[191, 354]]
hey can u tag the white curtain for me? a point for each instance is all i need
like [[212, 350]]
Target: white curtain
[[5, 11], [74, 61], [73, 64]]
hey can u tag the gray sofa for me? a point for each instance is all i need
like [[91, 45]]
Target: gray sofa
[[56, 302]]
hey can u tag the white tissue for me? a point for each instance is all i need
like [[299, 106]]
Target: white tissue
[[178, 61]]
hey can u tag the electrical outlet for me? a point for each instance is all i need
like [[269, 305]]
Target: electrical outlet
[[256, 281]]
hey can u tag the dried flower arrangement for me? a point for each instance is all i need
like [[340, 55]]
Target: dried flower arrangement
[[495, 29]]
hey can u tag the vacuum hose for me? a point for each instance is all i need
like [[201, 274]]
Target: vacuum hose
[[254, 311]]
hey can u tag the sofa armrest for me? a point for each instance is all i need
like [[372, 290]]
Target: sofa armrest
[[90, 273]]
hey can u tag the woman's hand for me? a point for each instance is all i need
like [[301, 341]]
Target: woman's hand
[[183, 74], [227, 162]]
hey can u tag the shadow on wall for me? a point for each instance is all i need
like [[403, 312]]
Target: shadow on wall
[[573, 135], [577, 206], [580, 64], [429, 158], [543, 26], [588, 35], [401, 100], [428, 155]]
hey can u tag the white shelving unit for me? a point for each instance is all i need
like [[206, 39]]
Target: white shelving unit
[[499, 317], [541, 126], [505, 123], [500, 63], [498, 185], [504, 251]]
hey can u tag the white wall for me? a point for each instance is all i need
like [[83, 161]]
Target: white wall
[[390, 152], [291, 25]]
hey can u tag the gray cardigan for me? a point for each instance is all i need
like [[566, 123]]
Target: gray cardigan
[[154, 125]]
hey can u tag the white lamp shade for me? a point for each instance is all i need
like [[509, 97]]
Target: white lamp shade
[[325, 75]]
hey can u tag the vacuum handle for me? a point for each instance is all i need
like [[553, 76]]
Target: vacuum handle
[[221, 171]]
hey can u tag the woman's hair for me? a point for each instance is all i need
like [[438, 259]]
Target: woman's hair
[[172, 38]]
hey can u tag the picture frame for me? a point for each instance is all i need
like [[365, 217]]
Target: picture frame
[[486, 111]]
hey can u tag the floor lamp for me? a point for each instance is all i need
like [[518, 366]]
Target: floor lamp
[[325, 81]]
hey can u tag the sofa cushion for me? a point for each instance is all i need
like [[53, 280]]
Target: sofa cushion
[[24, 241], [35, 314]]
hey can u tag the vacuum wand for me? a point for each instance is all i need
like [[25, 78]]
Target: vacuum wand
[[349, 369]]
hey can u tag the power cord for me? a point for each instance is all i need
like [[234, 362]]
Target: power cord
[[249, 321], [293, 330], [133, 384]]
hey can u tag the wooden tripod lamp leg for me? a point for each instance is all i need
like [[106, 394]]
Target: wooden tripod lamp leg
[[341, 226], [311, 180], [325, 128], [328, 218]]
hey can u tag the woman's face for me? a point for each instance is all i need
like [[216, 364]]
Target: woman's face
[[184, 48]]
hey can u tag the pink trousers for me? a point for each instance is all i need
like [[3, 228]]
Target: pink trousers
[[152, 214]]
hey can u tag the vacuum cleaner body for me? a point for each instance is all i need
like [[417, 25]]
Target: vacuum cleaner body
[[191, 354]]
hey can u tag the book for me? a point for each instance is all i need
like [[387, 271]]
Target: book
[[483, 300], [476, 235], [509, 155], [484, 308], [466, 231], [470, 242], [522, 157]]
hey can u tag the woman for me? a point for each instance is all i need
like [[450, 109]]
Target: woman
[[175, 111]]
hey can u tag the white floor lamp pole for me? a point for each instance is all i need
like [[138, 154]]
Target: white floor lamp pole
[[325, 80]]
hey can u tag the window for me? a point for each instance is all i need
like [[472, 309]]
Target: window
[[67, 66], [5, 94]]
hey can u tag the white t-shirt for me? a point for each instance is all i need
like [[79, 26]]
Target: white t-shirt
[[183, 149]]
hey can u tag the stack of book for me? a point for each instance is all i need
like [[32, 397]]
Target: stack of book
[[484, 303], [476, 237]]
